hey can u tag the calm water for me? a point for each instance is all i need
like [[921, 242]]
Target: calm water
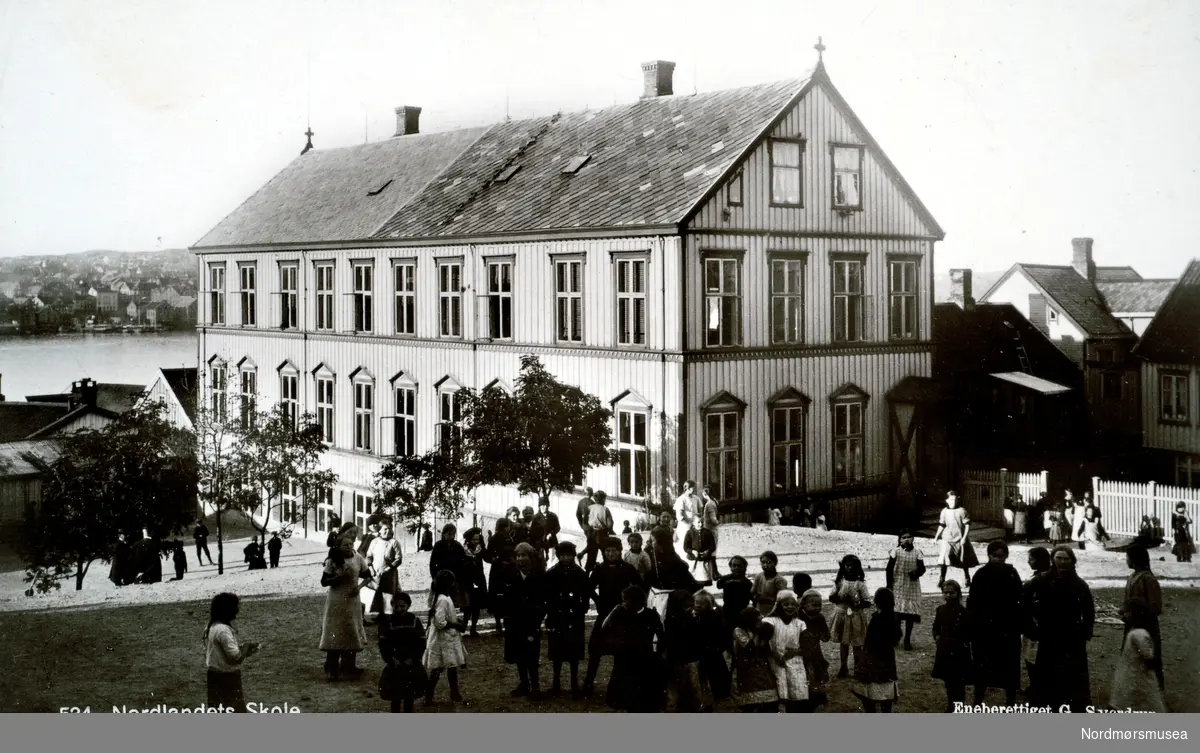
[[40, 365]]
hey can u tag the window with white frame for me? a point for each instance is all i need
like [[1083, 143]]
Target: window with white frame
[[450, 299], [847, 176], [631, 301], [324, 511], [405, 273], [289, 395], [405, 426], [289, 295], [902, 299], [248, 293], [787, 300], [364, 413], [568, 300], [848, 300], [848, 440], [216, 293], [364, 296], [786, 178], [633, 449], [789, 412], [1174, 396], [722, 421], [249, 396], [499, 299], [288, 510], [324, 274], [218, 384], [449, 425], [364, 507], [325, 405], [722, 301]]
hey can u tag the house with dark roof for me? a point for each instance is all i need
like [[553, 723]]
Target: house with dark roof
[[88, 405], [1094, 315], [176, 390], [743, 276], [1169, 353]]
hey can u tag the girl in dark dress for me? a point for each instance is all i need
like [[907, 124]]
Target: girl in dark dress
[[568, 593], [715, 641], [1067, 618], [631, 631], [951, 633], [609, 579], [994, 607], [684, 647], [401, 646], [472, 583], [816, 632], [736, 591], [1031, 590], [525, 594], [500, 555], [1181, 530], [546, 523], [875, 678], [448, 554], [668, 572]]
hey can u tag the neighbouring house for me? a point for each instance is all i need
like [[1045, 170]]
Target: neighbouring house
[[168, 294], [1069, 304], [742, 276], [181, 314], [131, 310], [21, 464], [176, 391], [1169, 353], [107, 301], [88, 405]]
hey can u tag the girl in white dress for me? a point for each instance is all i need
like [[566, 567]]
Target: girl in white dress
[[852, 599], [791, 682], [443, 638], [1134, 685]]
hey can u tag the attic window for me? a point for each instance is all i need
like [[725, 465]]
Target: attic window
[[573, 166], [509, 171], [1052, 315], [380, 190]]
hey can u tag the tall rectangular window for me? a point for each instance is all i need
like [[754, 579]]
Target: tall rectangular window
[[847, 177], [216, 293], [325, 407], [848, 443], [289, 396], [500, 301], [450, 299], [734, 192], [406, 297], [364, 415], [364, 296], [722, 453], [406, 421], [902, 299], [364, 507], [1173, 397], [786, 172], [289, 296], [248, 279], [634, 451], [848, 300], [631, 302], [324, 511], [568, 301], [324, 297], [449, 416], [787, 449], [217, 386], [787, 301], [722, 302], [249, 401]]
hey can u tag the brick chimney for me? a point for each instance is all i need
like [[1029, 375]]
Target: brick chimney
[[408, 120], [1081, 258], [658, 76], [1037, 313], [84, 392], [960, 289]]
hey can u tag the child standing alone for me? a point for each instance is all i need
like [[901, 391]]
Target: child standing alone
[[401, 645], [224, 656]]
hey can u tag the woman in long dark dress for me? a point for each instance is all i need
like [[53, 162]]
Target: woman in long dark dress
[[994, 607], [472, 582], [500, 550], [568, 594], [1031, 592], [448, 554], [525, 594], [1065, 625], [630, 631], [668, 572]]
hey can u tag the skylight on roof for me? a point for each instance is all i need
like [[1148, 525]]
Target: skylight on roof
[[573, 166], [509, 171]]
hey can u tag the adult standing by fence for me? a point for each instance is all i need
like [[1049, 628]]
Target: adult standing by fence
[[953, 533], [1181, 528]]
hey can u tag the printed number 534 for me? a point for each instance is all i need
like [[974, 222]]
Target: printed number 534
[[74, 710]]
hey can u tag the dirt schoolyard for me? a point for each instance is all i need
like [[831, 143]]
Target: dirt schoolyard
[[139, 647]]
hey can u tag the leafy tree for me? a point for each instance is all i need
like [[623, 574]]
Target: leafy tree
[[221, 452], [136, 472], [410, 488], [283, 459], [540, 438]]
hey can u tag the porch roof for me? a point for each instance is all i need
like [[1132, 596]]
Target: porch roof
[[1037, 384]]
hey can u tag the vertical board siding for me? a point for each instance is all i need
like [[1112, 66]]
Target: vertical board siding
[[983, 492], [17, 495], [818, 285], [756, 381], [1166, 436], [886, 208], [1122, 505]]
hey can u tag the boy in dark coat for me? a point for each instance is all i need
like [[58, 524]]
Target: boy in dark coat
[[568, 594], [609, 580]]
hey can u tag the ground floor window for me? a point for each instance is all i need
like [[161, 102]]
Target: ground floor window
[[1187, 471]]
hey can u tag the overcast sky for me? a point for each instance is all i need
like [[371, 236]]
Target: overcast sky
[[135, 124]]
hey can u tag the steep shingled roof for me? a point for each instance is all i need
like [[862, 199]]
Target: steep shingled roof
[[1173, 336], [18, 420], [1117, 274], [1131, 297], [1079, 299], [324, 195]]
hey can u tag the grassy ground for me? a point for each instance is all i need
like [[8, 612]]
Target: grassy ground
[[142, 655]]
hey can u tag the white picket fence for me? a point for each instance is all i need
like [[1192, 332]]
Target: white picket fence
[[982, 493], [1122, 504]]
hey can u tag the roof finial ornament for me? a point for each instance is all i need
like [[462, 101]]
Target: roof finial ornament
[[820, 48], [309, 145]]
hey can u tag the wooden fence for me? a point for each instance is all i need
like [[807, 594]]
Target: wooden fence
[[1122, 505], [982, 493]]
